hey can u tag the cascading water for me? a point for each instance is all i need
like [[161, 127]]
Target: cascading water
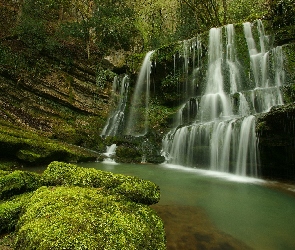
[[138, 114], [111, 151], [222, 135], [115, 121]]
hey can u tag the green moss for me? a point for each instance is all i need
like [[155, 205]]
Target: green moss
[[132, 188], [289, 65], [128, 153], [10, 211], [30, 147], [84, 218], [3, 173], [7, 165], [134, 61], [18, 182]]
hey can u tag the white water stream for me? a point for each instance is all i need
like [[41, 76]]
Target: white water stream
[[119, 96], [138, 113], [222, 137]]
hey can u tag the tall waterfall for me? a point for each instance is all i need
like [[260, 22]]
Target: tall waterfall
[[115, 121], [222, 135], [138, 114]]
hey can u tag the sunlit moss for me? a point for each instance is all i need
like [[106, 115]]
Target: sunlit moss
[[84, 218], [132, 188]]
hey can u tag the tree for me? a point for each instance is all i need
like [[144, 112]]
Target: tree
[[100, 23]]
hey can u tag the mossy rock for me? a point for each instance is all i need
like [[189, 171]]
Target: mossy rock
[[85, 218], [10, 211], [18, 182], [128, 154], [132, 188], [32, 148]]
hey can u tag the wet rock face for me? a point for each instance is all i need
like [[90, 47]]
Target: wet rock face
[[276, 131]]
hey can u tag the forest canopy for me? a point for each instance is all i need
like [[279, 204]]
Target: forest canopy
[[101, 26]]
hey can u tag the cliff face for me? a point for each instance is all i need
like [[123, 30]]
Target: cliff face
[[275, 129], [59, 94], [276, 134]]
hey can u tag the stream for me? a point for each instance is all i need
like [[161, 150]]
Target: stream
[[211, 210]]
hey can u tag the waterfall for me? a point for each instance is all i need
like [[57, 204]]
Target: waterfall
[[221, 137], [215, 103], [115, 121], [231, 59], [138, 114], [110, 152]]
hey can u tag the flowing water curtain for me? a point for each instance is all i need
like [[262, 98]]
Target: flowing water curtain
[[115, 122], [267, 78], [137, 123], [222, 136], [215, 102]]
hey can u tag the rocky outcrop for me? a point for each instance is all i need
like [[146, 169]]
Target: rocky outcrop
[[276, 132]]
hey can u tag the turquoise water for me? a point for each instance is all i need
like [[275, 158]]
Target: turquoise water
[[244, 208]]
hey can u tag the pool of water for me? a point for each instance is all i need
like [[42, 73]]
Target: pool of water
[[244, 208]]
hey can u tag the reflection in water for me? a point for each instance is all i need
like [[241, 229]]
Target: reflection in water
[[244, 208]]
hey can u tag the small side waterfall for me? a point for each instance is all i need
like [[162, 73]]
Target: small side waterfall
[[110, 152], [115, 121], [222, 134], [138, 113]]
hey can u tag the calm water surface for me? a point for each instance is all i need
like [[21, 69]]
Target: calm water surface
[[242, 207]]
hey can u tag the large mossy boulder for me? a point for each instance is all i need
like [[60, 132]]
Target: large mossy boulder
[[10, 212], [132, 188], [87, 218], [18, 182], [69, 207]]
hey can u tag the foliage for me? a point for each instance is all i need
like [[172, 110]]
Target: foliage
[[241, 11], [84, 218], [195, 17], [282, 13], [160, 116], [10, 211], [135, 189], [18, 182], [156, 21], [47, 25]]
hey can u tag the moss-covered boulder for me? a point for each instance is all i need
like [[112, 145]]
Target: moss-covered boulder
[[85, 218], [18, 182], [10, 212], [133, 188]]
